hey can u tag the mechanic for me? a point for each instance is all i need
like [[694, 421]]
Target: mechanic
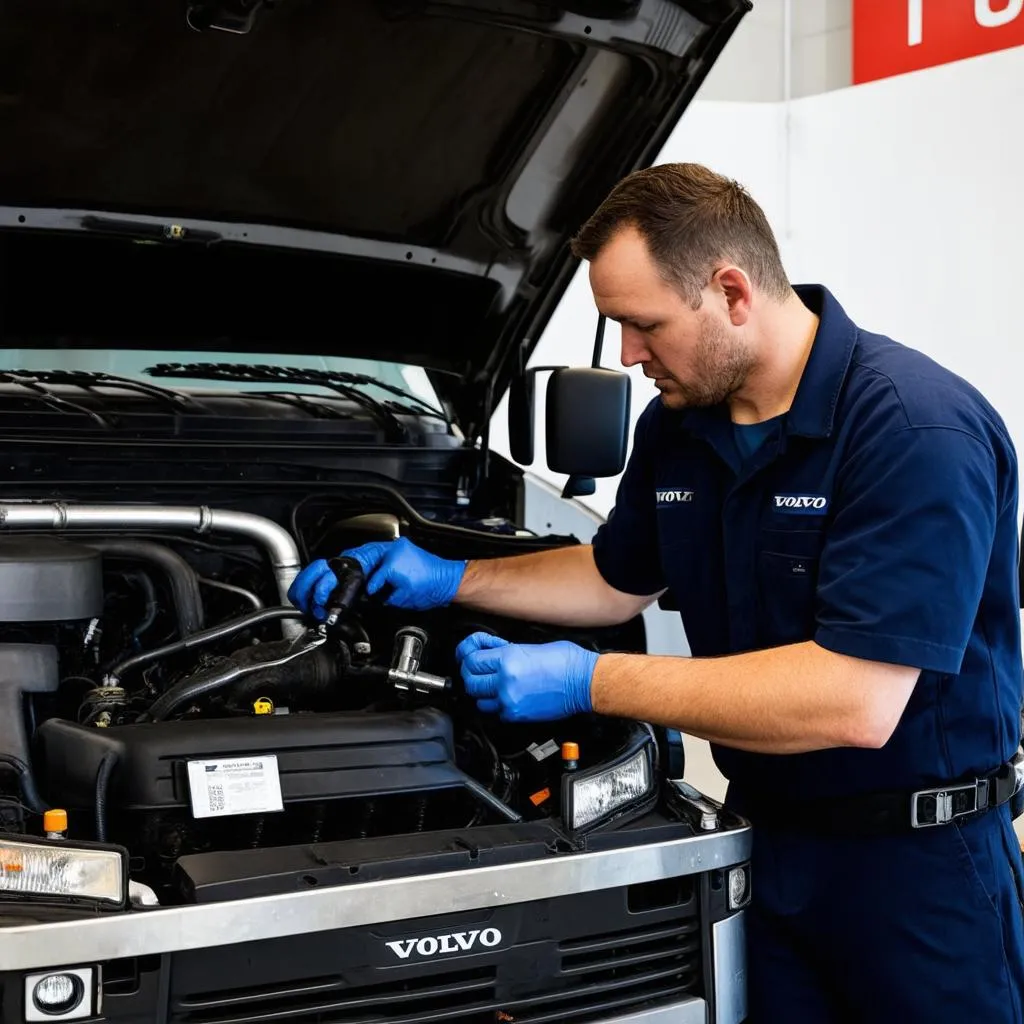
[[835, 516]]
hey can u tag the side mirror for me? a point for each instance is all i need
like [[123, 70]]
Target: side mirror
[[587, 420]]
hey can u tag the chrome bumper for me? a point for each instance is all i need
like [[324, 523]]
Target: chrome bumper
[[29, 947]]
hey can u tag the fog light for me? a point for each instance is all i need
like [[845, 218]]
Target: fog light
[[609, 790], [62, 995], [739, 887], [58, 993]]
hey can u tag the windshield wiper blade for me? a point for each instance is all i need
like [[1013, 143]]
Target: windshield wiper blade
[[30, 382], [329, 378], [88, 380], [309, 403], [342, 383], [422, 406]]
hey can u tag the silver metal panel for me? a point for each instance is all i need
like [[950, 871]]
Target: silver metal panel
[[689, 1011], [546, 511], [145, 932], [729, 950]]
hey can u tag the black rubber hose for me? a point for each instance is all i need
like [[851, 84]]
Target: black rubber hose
[[225, 629], [29, 793], [312, 668], [103, 774], [185, 594], [486, 797], [152, 603], [312, 679]]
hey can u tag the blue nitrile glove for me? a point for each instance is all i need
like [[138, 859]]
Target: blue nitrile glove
[[419, 579], [526, 682]]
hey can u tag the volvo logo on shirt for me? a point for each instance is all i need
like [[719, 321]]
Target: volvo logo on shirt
[[800, 504], [673, 496], [454, 942]]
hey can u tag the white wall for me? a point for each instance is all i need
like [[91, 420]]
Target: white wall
[[904, 197], [907, 200], [756, 66]]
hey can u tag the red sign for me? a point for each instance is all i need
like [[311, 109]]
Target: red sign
[[891, 37]]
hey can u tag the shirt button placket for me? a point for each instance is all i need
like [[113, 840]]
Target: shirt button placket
[[739, 525]]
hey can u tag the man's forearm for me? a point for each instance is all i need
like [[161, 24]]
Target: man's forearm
[[783, 700], [561, 586]]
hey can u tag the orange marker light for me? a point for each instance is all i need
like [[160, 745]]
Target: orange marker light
[[55, 820], [539, 797]]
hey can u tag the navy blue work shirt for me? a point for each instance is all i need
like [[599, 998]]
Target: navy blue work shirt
[[878, 518]]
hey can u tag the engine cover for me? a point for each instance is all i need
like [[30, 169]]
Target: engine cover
[[320, 756]]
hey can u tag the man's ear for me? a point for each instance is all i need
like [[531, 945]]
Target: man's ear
[[737, 290]]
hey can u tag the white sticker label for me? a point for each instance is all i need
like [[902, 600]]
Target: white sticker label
[[541, 753], [235, 785]]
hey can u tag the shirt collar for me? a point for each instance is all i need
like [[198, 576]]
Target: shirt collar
[[814, 406], [813, 410]]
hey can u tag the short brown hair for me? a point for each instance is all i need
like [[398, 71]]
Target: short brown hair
[[690, 217]]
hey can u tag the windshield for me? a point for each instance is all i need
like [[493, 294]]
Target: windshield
[[133, 362]]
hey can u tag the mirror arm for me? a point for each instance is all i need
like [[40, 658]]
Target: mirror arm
[[582, 486], [595, 362], [521, 411]]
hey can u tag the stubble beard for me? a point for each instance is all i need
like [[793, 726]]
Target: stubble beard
[[721, 366]]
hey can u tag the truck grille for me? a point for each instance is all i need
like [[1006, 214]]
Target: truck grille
[[621, 971]]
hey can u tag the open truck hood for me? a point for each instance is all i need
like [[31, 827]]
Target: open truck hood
[[392, 179]]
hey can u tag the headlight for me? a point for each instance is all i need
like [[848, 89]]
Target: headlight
[[60, 868], [592, 797]]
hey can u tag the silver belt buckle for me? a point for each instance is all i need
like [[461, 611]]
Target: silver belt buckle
[[944, 812]]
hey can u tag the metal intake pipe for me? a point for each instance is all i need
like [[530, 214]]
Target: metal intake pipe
[[276, 541]]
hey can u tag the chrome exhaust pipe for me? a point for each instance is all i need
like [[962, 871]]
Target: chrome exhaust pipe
[[275, 540]]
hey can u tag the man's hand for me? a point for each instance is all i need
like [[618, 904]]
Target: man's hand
[[526, 682], [419, 580]]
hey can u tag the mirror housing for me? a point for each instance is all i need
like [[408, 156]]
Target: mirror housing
[[588, 421]]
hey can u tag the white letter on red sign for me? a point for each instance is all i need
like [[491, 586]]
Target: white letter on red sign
[[915, 22], [987, 18]]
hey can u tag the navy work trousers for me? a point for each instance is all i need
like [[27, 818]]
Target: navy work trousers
[[925, 927]]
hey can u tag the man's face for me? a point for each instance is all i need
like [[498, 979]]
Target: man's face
[[695, 357]]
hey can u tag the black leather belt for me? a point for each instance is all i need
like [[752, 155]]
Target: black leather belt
[[890, 812]]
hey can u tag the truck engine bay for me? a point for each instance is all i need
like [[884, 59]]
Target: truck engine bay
[[157, 686]]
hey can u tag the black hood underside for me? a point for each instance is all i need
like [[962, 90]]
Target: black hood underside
[[384, 178]]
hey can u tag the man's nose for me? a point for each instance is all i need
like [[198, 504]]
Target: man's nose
[[634, 347]]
